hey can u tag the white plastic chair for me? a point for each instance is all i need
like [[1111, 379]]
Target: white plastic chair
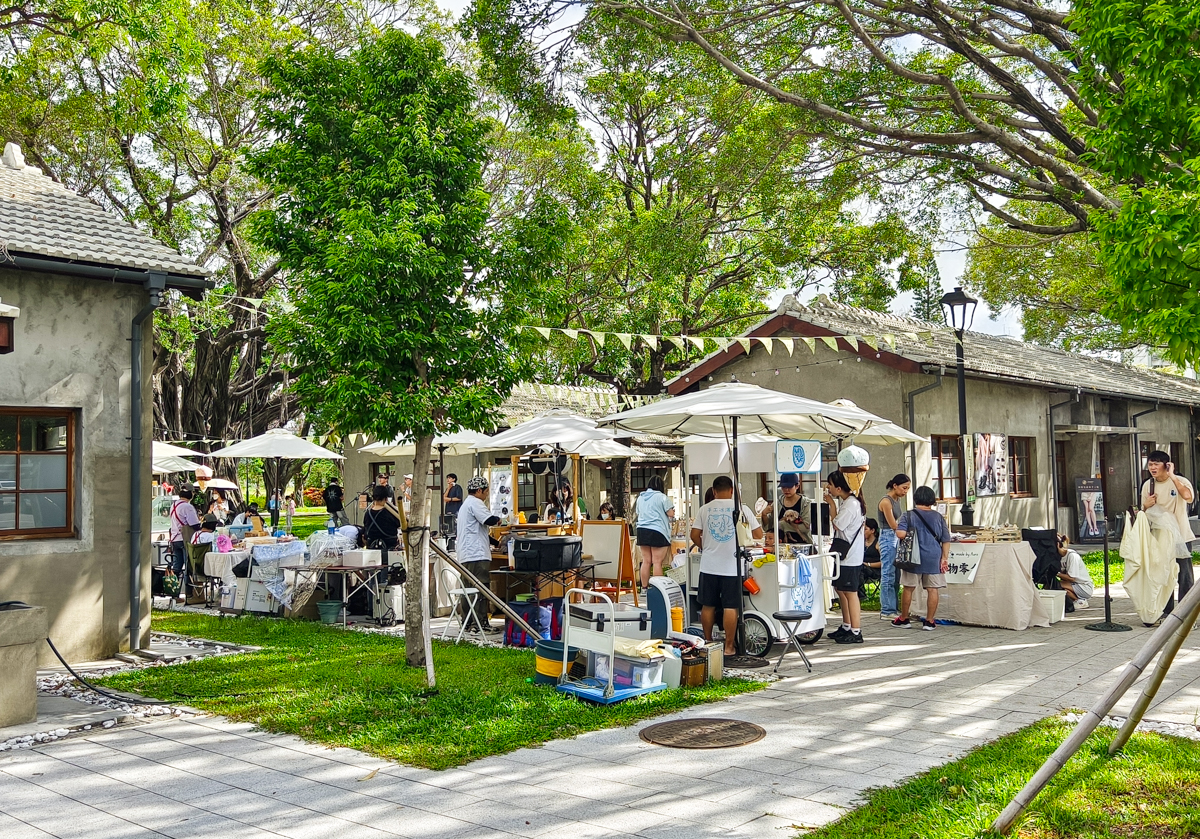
[[453, 588]]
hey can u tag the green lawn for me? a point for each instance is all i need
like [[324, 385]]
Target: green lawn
[[1151, 790], [1095, 565], [353, 689]]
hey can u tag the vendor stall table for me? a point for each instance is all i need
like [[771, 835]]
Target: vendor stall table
[[354, 578], [564, 577], [1002, 595], [221, 564]]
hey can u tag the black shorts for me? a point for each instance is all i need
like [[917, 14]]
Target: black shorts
[[719, 591], [649, 538], [849, 579]]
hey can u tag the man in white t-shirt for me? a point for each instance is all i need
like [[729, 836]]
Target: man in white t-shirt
[[1165, 498], [713, 533], [474, 545], [1074, 577]]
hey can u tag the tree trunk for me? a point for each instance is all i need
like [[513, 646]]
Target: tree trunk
[[415, 552], [620, 486]]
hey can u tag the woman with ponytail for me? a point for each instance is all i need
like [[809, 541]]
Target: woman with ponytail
[[848, 514], [891, 508]]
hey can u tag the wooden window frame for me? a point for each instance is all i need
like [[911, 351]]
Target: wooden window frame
[[935, 442], [1030, 459], [68, 531]]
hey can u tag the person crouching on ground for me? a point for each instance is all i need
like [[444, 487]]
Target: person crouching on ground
[[849, 518], [720, 587], [474, 541], [1074, 578], [933, 534]]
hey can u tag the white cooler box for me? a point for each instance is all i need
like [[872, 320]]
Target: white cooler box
[[1055, 601], [389, 597], [361, 559], [631, 621]]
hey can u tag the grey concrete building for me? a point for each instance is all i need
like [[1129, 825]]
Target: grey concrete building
[[1063, 416], [75, 420]]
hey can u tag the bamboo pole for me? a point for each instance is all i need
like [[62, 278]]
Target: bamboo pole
[[1170, 625], [474, 582], [1154, 682]]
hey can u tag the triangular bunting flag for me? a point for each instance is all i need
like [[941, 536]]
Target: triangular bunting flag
[[677, 341], [890, 340], [829, 341], [789, 344], [544, 331], [745, 344], [625, 338], [598, 337], [697, 342], [927, 337], [872, 342], [766, 342], [650, 341], [573, 334], [853, 341], [811, 343]]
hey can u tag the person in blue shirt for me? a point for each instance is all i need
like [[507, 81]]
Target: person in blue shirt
[[933, 535], [654, 513]]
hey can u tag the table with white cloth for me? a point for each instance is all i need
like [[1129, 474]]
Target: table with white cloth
[[221, 564], [1001, 595]]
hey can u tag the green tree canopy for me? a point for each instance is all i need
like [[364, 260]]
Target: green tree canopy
[[394, 323]]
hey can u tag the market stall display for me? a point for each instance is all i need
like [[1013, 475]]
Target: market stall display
[[1002, 593]]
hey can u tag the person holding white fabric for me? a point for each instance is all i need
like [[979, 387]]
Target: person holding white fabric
[[1165, 500]]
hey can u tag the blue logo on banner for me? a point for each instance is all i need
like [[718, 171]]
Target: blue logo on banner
[[798, 457]]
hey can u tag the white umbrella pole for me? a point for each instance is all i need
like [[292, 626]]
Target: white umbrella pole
[[737, 548]]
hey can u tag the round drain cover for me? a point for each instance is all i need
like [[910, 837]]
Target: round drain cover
[[703, 733]]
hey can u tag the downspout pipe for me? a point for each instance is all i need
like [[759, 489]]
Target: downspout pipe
[[156, 284], [1136, 453], [912, 414], [1055, 489]]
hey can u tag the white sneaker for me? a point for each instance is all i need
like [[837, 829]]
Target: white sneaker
[[1081, 604]]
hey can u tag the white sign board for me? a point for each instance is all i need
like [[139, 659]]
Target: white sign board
[[501, 496], [802, 456], [964, 562]]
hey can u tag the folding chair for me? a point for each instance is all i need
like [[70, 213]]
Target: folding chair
[[790, 620], [453, 585]]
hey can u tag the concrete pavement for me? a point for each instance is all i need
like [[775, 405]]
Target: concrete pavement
[[868, 715]]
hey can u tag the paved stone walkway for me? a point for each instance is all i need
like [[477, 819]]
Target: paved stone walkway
[[868, 715]]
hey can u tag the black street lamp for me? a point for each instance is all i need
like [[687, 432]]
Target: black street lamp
[[958, 308]]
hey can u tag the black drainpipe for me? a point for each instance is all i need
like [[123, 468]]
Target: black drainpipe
[[155, 283], [1136, 447], [912, 415], [1055, 489]]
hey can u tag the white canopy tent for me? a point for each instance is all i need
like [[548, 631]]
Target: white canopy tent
[[169, 463], [457, 443], [277, 442], [159, 449], [555, 428]]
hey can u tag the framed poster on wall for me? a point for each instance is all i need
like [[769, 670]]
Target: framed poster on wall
[[991, 464], [1089, 495]]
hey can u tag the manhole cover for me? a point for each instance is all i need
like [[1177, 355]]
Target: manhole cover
[[703, 733]]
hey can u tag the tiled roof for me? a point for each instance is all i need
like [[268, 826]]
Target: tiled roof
[[994, 355], [991, 356], [39, 217]]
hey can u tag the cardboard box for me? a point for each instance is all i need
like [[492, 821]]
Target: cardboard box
[[361, 559]]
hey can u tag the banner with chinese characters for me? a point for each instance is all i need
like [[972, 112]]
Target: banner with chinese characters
[[964, 562]]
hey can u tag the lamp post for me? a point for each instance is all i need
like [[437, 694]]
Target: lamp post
[[958, 308]]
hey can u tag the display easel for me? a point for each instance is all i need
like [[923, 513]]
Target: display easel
[[604, 539]]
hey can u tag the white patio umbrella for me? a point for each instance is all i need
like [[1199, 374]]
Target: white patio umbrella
[[555, 428], [159, 449], [277, 442], [888, 434], [757, 410], [602, 449], [716, 412], [457, 443], [170, 463]]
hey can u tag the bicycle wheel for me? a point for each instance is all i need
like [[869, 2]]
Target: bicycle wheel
[[758, 635]]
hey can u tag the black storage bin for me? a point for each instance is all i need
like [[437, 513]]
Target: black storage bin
[[547, 553]]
